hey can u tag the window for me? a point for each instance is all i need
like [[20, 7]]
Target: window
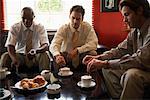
[[51, 13]]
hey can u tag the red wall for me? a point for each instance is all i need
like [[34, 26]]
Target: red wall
[[108, 25], [1, 15]]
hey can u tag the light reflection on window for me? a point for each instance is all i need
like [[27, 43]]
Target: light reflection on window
[[51, 13]]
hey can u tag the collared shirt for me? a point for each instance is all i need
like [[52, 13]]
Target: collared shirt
[[62, 41], [133, 52], [18, 33]]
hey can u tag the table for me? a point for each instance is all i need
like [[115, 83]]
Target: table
[[70, 90]]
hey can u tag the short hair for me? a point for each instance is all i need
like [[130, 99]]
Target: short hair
[[28, 9], [134, 4], [78, 8]]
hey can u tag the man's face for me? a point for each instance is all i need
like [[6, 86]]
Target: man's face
[[130, 17], [76, 19], [27, 18]]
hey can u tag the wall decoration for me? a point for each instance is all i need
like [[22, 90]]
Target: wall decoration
[[109, 5]]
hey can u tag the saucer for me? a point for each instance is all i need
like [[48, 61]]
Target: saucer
[[91, 85], [62, 74], [6, 94]]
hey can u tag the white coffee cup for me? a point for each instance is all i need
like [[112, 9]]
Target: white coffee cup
[[86, 80], [64, 70]]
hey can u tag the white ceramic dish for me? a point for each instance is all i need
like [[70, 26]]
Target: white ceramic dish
[[6, 94], [53, 88], [91, 85], [17, 86], [62, 74]]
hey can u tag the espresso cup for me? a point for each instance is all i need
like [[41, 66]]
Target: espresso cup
[[86, 80], [64, 70]]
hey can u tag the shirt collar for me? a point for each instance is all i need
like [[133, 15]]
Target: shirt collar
[[144, 27], [25, 28], [73, 29]]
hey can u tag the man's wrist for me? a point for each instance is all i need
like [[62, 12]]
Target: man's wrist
[[106, 64], [98, 57]]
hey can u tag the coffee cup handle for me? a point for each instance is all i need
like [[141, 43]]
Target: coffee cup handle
[[92, 80]]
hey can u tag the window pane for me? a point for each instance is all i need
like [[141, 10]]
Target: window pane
[[51, 13]]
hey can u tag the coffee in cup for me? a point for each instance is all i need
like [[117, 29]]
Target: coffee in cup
[[86, 80], [65, 70]]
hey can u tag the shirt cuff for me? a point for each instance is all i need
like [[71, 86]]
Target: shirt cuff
[[79, 50], [56, 53], [114, 64]]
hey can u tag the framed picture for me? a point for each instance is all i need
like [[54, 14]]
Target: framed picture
[[109, 5]]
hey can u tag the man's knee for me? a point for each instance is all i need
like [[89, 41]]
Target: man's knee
[[129, 76], [5, 60], [43, 60], [92, 52], [5, 55]]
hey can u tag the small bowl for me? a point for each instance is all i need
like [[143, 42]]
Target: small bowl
[[53, 88]]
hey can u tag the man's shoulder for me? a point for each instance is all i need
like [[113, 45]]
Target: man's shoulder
[[64, 26], [86, 24], [18, 24], [15, 27], [38, 24]]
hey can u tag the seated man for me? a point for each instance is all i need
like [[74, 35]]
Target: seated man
[[126, 69], [27, 44], [74, 40]]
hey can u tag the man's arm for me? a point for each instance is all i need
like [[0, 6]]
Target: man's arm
[[42, 49], [91, 42], [12, 54], [57, 42], [129, 59]]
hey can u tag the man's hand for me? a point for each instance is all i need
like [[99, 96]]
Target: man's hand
[[88, 58], [73, 53], [12, 54], [60, 60], [95, 65]]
